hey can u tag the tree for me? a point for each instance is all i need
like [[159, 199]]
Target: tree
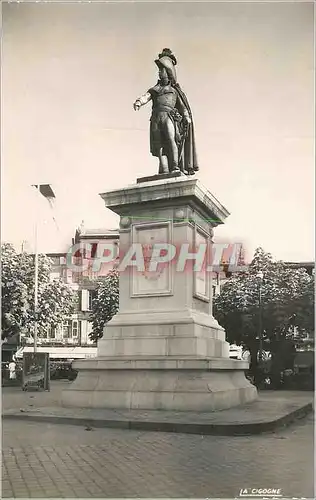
[[287, 304], [105, 303], [56, 301]]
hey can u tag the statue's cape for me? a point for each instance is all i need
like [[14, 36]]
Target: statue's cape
[[189, 156]]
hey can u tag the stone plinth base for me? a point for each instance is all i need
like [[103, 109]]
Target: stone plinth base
[[165, 333], [160, 383], [163, 350]]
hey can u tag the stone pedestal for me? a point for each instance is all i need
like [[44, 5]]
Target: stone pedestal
[[163, 349]]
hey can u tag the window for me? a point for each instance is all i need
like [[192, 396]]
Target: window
[[94, 247], [45, 334], [52, 332], [84, 300], [71, 329], [75, 328], [49, 333], [117, 250], [92, 295], [66, 328], [86, 297]]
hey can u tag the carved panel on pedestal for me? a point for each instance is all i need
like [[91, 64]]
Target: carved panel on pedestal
[[156, 278], [201, 277]]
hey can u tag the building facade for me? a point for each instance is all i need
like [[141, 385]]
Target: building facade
[[67, 266], [85, 256], [77, 268], [93, 243]]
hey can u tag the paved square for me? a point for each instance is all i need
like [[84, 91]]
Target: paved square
[[43, 460]]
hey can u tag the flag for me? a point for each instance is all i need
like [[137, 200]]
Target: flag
[[48, 193], [45, 190]]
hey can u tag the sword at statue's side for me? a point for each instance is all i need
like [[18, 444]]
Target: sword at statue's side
[[185, 135]]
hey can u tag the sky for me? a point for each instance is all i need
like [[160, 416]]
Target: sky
[[71, 72]]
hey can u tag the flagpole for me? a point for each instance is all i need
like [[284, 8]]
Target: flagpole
[[36, 290], [36, 281], [48, 193]]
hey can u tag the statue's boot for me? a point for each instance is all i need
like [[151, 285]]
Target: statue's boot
[[163, 165], [174, 168], [163, 170]]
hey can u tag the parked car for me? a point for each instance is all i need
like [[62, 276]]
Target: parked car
[[299, 377], [246, 355], [62, 369], [304, 370]]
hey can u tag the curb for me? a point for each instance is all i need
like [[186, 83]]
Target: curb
[[176, 427]]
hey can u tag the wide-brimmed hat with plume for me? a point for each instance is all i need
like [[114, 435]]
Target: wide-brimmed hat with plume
[[168, 61]]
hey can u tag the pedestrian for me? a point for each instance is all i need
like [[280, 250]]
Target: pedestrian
[[12, 369]]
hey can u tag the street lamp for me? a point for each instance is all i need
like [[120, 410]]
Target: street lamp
[[46, 191], [260, 277]]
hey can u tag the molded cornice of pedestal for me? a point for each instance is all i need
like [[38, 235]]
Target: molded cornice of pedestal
[[161, 363], [166, 192], [148, 317]]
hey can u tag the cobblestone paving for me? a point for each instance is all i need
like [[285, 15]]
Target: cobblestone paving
[[43, 460], [14, 397]]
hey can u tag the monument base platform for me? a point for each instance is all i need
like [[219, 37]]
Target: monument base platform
[[160, 177], [159, 383]]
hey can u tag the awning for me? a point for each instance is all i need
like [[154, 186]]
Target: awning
[[9, 347], [61, 352]]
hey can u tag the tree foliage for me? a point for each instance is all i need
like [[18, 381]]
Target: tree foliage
[[105, 303], [287, 302], [55, 299]]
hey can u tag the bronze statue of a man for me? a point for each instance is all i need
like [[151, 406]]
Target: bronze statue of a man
[[171, 125]]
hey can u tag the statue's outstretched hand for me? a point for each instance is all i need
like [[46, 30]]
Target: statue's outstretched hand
[[141, 101]]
